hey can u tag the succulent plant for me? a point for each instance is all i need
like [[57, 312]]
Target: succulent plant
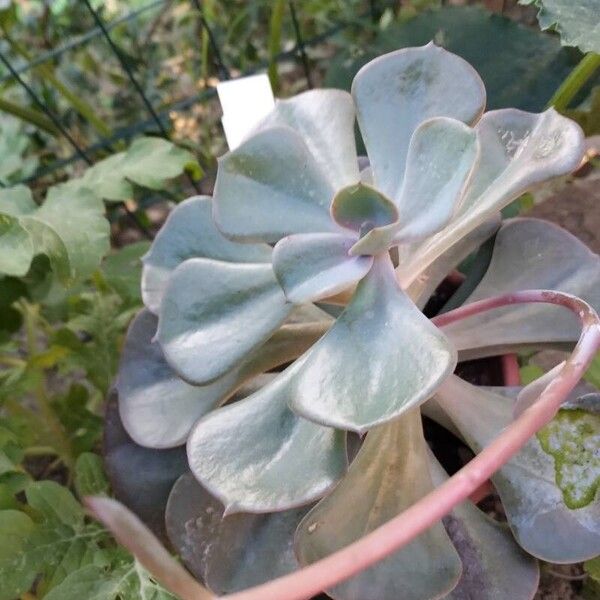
[[310, 256]]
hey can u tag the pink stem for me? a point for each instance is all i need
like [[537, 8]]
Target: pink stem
[[510, 370], [404, 528]]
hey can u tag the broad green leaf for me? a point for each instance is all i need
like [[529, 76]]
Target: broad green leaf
[[272, 186], [122, 270], [128, 581], [396, 92], [149, 162], [380, 358], [214, 313], [573, 439], [529, 254], [313, 266], [150, 553], [520, 66], [17, 574], [234, 552], [69, 228], [325, 121], [189, 232], [50, 544], [55, 503], [494, 566], [140, 477], [158, 408], [537, 513], [577, 24], [387, 476], [253, 455], [90, 479]]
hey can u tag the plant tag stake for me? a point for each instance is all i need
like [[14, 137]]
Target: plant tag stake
[[245, 102]]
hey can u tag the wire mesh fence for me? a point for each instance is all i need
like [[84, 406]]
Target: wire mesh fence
[[155, 118]]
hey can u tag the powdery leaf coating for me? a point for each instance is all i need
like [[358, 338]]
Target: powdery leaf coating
[[252, 455], [529, 254], [234, 552], [380, 358], [494, 566], [189, 232], [159, 409], [272, 186], [312, 266], [389, 474], [325, 121], [214, 313], [396, 92], [518, 151]]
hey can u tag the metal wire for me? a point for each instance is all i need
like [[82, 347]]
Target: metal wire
[[300, 45], [125, 65], [42, 106], [224, 73], [146, 125], [80, 40], [79, 151]]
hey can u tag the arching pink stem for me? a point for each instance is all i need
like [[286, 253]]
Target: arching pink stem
[[402, 529], [510, 370]]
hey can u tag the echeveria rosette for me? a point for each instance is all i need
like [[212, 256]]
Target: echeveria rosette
[[439, 173]]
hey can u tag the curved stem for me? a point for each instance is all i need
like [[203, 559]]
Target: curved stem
[[576, 79], [404, 528]]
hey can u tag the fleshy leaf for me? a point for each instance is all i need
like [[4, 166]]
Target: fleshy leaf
[[441, 156], [234, 552], [313, 266], [573, 439], [253, 454], [380, 358], [140, 477], [396, 92], [361, 206], [494, 566], [518, 151], [214, 313], [529, 254], [189, 232], [422, 288], [389, 474], [271, 186], [325, 120], [158, 408], [540, 519]]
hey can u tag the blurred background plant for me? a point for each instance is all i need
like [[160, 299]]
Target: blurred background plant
[[109, 116]]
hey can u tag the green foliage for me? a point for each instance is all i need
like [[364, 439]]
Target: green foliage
[[578, 25], [53, 546], [148, 162]]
